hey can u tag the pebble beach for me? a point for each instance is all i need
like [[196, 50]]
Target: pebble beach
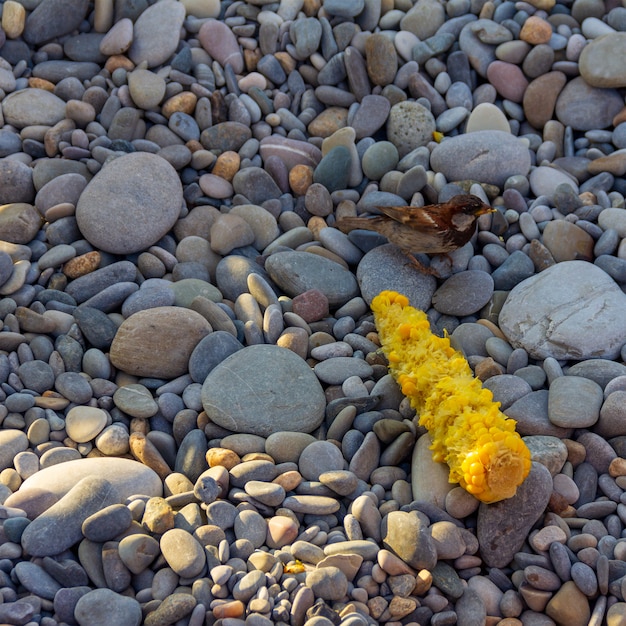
[[197, 422]]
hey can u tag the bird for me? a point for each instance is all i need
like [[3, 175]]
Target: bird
[[431, 229]]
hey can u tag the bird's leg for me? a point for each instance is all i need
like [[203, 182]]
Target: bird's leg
[[420, 267]]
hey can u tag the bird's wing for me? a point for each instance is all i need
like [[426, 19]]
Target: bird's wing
[[420, 218]]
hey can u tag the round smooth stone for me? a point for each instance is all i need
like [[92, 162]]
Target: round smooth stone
[[202, 8], [108, 523], [220, 42], [146, 88], [320, 457], [210, 352], [32, 107], [508, 79], [158, 342], [488, 156], [613, 218], [370, 116], [287, 446], [567, 242], [182, 552], [135, 400], [262, 223], [12, 442], [540, 97], [284, 392], [575, 310], [255, 184], [103, 606], [173, 609], [84, 423], [408, 536], [336, 370], [281, 531], [526, 507], [305, 34], [296, 272], [156, 33], [270, 494], [329, 583], [584, 107], [611, 422], [127, 476], [574, 402], [463, 293], [386, 267], [544, 180], [333, 170], [291, 151], [118, 39], [74, 387], [130, 204], [381, 157], [599, 61], [60, 527], [113, 440], [138, 551], [16, 182], [19, 222]]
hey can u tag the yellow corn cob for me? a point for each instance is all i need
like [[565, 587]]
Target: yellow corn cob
[[479, 443]]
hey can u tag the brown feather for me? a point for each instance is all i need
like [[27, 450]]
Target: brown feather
[[432, 229]]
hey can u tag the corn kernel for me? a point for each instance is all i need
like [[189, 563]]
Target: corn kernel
[[485, 454]]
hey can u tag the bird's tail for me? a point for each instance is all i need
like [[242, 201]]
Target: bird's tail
[[346, 224]]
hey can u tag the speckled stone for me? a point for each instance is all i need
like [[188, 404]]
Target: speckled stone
[[409, 126]]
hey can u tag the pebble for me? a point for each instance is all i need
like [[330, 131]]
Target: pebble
[[60, 527], [157, 331], [563, 340], [33, 107], [125, 475], [478, 284], [100, 605], [296, 272], [135, 217], [156, 33], [409, 126], [385, 267], [574, 100], [290, 384], [525, 507], [479, 156]]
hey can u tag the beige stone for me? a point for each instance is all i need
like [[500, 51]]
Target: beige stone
[[13, 19], [569, 606], [158, 342]]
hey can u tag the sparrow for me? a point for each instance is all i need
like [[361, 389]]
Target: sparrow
[[431, 229]]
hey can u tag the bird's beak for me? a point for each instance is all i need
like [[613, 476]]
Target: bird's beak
[[485, 209]]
